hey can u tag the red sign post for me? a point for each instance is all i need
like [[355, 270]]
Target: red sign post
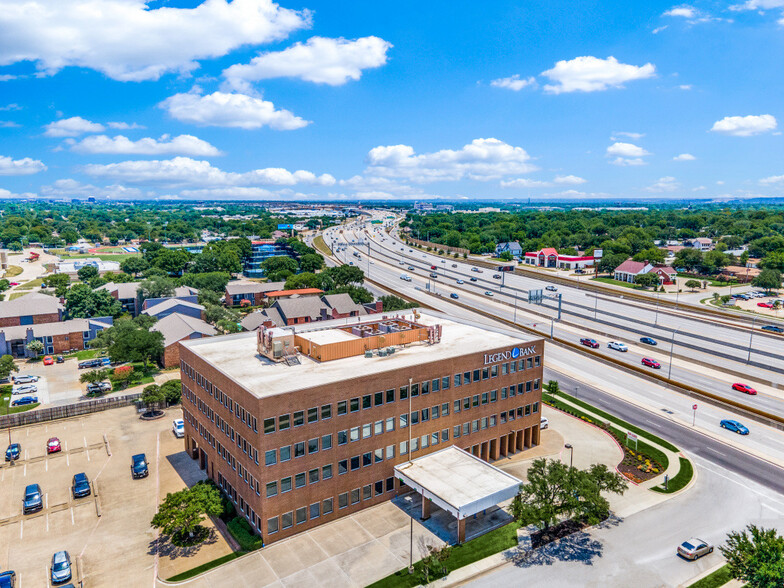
[[694, 417]]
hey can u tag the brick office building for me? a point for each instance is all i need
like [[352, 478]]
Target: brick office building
[[304, 425]]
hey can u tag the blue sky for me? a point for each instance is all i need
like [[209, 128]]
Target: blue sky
[[379, 100]]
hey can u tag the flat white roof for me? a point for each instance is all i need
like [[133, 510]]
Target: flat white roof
[[458, 481], [236, 356], [328, 336]]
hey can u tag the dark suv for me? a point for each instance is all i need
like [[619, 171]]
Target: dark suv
[[90, 363], [80, 486], [139, 466], [32, 500]]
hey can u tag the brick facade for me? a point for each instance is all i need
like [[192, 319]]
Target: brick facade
[[15, 321]]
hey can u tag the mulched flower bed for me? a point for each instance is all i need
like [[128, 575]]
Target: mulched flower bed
[[559, 531], [636, 466]]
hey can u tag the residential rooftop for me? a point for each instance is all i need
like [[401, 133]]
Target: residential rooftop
[[237, 356]]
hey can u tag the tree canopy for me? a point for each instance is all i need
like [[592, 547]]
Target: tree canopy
[[755, 556]]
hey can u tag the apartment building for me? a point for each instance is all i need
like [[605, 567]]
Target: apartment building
[[302, 425]]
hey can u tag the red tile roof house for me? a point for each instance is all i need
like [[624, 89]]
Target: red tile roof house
[[630, 269], [549, 257]]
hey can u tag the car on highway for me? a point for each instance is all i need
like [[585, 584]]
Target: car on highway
[[411, 268], [543, 423], [474, 279], [551, 288], [773, 329], [61, 567], [80, 486], [476, 270], [459, 282], [405, 278], [48, 360], [648, 340], [24, 400], [648, 362], [178, 428], [496, 276], [443, 261], [694, 548], [618, 346], [588, 342], [33, 499], [454, 265], [26, 379], [488, 293], [53, 445], [401, 262], [454, 295], [8, 579], [734, 426], [13, 452], [432, 267], [433, 275], [745, 388], [139, 466]]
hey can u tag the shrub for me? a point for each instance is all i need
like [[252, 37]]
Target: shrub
[[241, 530]]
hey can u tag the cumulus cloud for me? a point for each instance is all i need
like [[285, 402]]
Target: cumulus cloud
[[222, 109], [745, 126], [592, 74], [482, 159], [184, 171], [684, 157], [182, 144], [11, 107], [684, 11], [68, 187], [72, 127], [626, 154], [525, 183], [129, 41], [759, 5], [772, 180], [319, 60], [635, 136], [570, 180], [20, 167], [513, 82], [123, 126], [7, 194], [665, 184]]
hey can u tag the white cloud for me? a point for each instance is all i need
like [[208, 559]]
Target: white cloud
[[626, 154], [658, 30], [591, 74], [665, 184], [11, 107], [20, 167], [771, 180], [685, 87], [319, 60], [482, 159], [9, 124], [758, 5], [71, 188], [221, 109], [745, 126], [635, 136], [684, 11], [513, 82], [684, 157], [122, 126], [129, 41], [525, 183], [570, 180], [182, 144], [7, 78], [72, 127], [184, 171], [7, 194]]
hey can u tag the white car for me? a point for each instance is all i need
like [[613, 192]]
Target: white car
[[617, 345], [24, 389], [459, 282], [27, 379], [405, 277], [543, 423], [178, 428]]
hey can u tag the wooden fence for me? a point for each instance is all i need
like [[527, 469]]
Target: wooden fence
[[63, 412]]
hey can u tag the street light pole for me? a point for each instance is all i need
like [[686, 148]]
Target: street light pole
[[514, 318], [570, 447], [751, 338], [595, 305], [672, 347]]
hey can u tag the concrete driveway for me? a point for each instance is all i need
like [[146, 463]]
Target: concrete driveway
[[61, 380]]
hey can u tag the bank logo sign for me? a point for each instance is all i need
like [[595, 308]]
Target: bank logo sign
[[512, 353]]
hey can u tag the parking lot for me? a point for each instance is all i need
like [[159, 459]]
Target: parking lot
[[115, 547], [59, 383]]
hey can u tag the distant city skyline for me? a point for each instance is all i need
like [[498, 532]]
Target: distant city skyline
[[251, 100]]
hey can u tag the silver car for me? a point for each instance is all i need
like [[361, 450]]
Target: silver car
[[61, 567], [694, 548]]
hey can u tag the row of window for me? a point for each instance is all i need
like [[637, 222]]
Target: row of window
[[239, 501], [224, 399]]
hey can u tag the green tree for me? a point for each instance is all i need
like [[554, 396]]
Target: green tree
[[153, 396], [343, 275], [755, 556], [311, 262], [130, 342], [768, 279], [7, 366], [693, 284], [35, 346], [60, 283], [173, 261], [278, 264], [552, 387], [647, 280], [713, 261], [181, 513], [87, 273], [609, 262], [303, 280], [652, 255], [156, 287], [94, 376], [688, 258], [391, 303], [134, 265], [213, 281], [506, 256], [172, 390], [358, 294], [81, 301]]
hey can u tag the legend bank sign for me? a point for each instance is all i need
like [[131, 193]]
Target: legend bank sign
[[513, 353]]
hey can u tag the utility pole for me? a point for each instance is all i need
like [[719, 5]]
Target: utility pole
[[672, 346], [751, 338]]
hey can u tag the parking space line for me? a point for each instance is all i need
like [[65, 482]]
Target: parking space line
[[24, 471], [72, 517], [46, 498], [47, 522], [21, 529], [46, 466], [67, 459]]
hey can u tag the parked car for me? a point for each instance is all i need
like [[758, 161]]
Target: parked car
[[80, 487], [53, 445], [543, 423], [61, 567], [694, 548], [454, 295], [33, 499], [26, 379], [648, 340], [139, 466], [551, 288], [90, 363], [488, 293], [745, 388], [48, 360], [24, 400], [178, 428], [23, 389], [618, 346], [734, 426], [13, 452], [8, 579], [765, 304], [59, 359], [773, 329], [647, 361], [592, 343], [459, 282]]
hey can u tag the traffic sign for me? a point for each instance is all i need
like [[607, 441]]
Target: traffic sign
[[694, 407]]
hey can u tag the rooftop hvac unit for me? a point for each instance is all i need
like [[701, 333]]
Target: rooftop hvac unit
[[368, 353], [390, 350], [277, 349]]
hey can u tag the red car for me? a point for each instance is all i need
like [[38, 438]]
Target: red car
[[744, 388], [13, 283], [647, 361], [53, 445], [48, 360], [765, 304], [592, 343]]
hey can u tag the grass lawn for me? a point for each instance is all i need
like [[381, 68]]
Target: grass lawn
[[619, 283], [679, 480], [87, 354], [488, 544], [31, 284], [6, 408], [206, 566], [710, 281], [714, 580], [13, 270], [318, 243], [103, 256]]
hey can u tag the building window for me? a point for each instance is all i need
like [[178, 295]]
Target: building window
[[354, 404], [536, 407], [403, 421], [458, 378], [342, 466], [299, 480], [302, 515], [326, 506], [403, 447], [342, 437], [354, 433], [414, 444], [272, 525], [390, 426], [299, 449], [390, 451], [484, 422], [285, 485], [504, 369], [326, 471], [326, 442], [494, 371], [485, 373], [445, 383], [366, 401], [313, 476], [283, 422], [390, 484], [286, 520], [434, 412], [379, 487], [456, 405], [493, 395], [467, 377], [378, 399], [367, 492], [269, 427], [474, 426], [270, 457], [415, 417], [315, 510], [299, 418], [313, 445], [367, 459], [492, 420], [527, 409], [367, 430], [326, 412], [435, 385], [466, 428], [537, 361], [272, 489], [466, 403], [425, 441], [285, 453], [378, 455], [476, 375], [312, 415], [425, 388], [445, 435], [342, 407], [425, 414], [355, 463], [343, 500], [403, 392], [414, 390], [445, 409]]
